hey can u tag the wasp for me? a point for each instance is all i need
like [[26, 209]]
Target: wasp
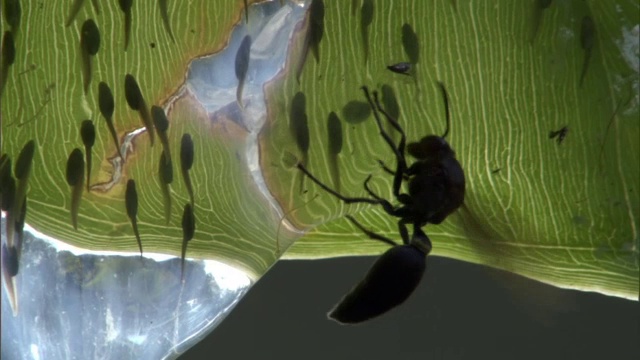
[[436, 188]]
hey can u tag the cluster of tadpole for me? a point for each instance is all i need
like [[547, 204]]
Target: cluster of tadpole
[[14, 194], [86, 275]]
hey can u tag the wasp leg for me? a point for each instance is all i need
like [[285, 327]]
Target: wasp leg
[[401, 166], [371, 193], [370, 233], [388, 208], [386, 169], [393, 122], [401, 212], [348, 200]]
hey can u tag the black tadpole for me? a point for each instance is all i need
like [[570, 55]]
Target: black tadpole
[[188, 230], [186, 162], [89, 44], [161, 123], [242, 66], [131, 204], [22, 171], [366, 18], [411, 44], [445, 100], [299, 128], [12, 12], [298, 123], [107, 105], [132, 93], [165, 173], [23, 164], [334, 132], [10, 261], [8, 58], [88, 134], [316, 27], [7, 184], [313, 36], [135, 100], [75, 176], [19, 226], [75, 167], [125, 6]]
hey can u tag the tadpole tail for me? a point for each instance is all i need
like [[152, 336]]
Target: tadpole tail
[[96, 6], [10, 285], [305, 53], [246, 11], [75, 8], [76, 196], [239, 93], [4, 74], [127, 29], [187, 183], [86, 71], [303, 162], [87, 151], [585, 65], [164, 13], [134, 225], [166, 195], [148, 123], [182, 257], [445, 98], [114, 136]]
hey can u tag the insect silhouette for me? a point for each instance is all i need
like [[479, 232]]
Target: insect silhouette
[[559, 135], [436, 187]]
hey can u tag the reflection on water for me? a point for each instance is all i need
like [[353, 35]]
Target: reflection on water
[[75, 304], [212, 80]]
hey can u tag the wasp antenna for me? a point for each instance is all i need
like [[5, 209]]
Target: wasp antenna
[[445, 97]]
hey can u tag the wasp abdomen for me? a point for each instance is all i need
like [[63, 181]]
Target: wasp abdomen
[[390, 281]]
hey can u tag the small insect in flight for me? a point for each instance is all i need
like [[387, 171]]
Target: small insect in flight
[[436, 187], [559, 135]]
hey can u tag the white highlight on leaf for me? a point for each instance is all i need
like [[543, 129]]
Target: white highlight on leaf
[[630, 47]]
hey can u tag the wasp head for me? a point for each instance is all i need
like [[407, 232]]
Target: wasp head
[[431, 147]]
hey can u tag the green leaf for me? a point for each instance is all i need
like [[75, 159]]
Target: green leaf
[[44, 100], [565, 214]]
